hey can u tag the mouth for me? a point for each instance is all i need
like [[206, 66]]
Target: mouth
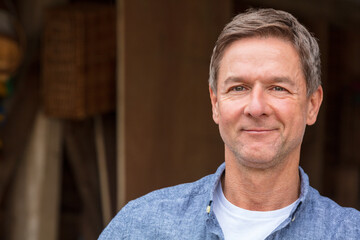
[[258, 130]]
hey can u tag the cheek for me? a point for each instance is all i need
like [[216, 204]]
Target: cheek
[[293, 116], [230, 111]]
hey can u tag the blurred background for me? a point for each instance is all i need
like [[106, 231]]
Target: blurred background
[[104, 101]]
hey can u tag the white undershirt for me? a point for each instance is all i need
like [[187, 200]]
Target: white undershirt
[[237, 223]]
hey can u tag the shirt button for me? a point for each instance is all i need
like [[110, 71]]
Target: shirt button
[[208, 209], [293, 219]]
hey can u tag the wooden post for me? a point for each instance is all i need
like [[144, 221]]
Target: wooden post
[[103, 172], [36, 194], [120, 132], [80, 147]]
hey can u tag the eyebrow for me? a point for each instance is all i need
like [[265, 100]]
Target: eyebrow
[[286, 80], [230, 80], [283, 80]]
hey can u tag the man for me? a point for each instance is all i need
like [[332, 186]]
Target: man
[[264, 89]]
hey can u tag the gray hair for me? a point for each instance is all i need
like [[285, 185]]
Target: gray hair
[[265, 23]]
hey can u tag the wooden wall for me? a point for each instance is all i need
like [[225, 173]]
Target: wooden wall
[[166, 132]]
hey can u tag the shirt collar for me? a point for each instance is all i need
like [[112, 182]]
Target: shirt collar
[[304, 187]]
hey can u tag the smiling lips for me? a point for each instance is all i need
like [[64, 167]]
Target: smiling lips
[[258, 130]]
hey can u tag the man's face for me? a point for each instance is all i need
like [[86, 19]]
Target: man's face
[[261, 105]]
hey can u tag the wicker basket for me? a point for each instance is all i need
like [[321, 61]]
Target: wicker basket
[[10, 57], [78, 70]]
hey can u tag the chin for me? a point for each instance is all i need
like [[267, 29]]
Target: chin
[[258, 161]]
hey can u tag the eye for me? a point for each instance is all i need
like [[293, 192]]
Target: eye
[[238, 89], [279, 89]]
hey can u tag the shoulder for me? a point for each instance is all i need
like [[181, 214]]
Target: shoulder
[[170, 199], [163, 207], [336, 220], [328, 207]]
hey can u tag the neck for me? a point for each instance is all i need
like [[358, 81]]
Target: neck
[[262, 189]]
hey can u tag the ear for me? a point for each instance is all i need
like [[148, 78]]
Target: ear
[[314, 103], [214, 104]]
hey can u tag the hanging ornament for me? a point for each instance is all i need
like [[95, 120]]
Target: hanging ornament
[[12, 44]]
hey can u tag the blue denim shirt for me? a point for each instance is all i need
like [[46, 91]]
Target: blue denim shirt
[[184, 212]]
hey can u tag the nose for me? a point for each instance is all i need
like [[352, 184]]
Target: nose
[[257, 105]]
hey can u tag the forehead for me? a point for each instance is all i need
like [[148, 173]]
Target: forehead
[[259, 45], [260, 55]]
